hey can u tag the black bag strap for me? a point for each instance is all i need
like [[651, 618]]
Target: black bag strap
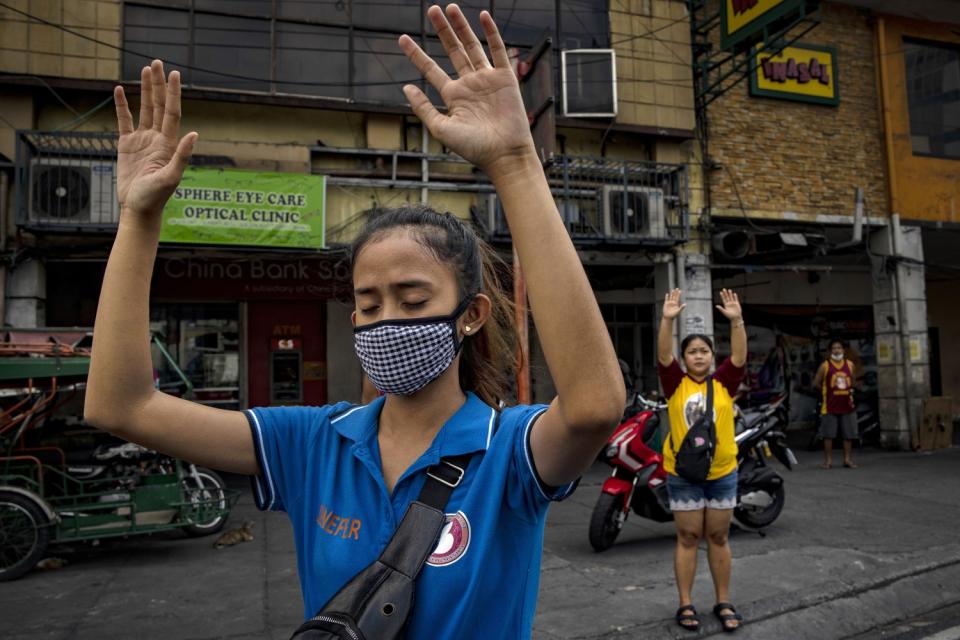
[[415, 538]]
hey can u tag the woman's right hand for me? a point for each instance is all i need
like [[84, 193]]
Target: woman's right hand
[[150, 162], [671, 304]]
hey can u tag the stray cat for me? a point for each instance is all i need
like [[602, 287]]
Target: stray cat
[[235, 536]]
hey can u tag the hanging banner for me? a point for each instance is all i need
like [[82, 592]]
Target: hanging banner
[[247, 208], [745, 19], [805, 73]]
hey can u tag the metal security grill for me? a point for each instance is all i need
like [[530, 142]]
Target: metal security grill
[[615, 202], [67, 181]]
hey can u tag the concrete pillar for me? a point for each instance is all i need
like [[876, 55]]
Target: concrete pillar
[[664, 281], [26, 295], [900, 324], [694, 277], [344, 374]]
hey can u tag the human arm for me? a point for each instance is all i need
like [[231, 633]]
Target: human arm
[[671, 309], [732, 311], [818, 377], [486, 123], [120, 395]]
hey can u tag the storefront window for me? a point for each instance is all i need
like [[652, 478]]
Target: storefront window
[[203, 339], [933, 95], [273, 47]]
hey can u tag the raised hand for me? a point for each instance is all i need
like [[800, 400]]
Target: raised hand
[[671, 304], [486, 122], [150, 162], [731, 305]]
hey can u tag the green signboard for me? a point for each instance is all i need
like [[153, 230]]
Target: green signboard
[[247, 208]]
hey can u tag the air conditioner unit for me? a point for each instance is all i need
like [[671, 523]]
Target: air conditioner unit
[[497, 223], [72, 191], [589, 83], [633, 212], [495, 220]]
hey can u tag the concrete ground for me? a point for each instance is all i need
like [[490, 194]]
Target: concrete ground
[[854, 553]]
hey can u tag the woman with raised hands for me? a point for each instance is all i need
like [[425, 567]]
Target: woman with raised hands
[[432, 331], [702, 506]]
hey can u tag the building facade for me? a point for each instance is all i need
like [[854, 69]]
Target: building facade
[[309, 93], [830, 177]]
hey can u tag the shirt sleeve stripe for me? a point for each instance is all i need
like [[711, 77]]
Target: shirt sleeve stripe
[[263, 482], [342, 416], [533, 471], [493, 417]]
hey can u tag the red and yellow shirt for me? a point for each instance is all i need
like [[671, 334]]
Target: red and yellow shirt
[[837, 388], [686, 402]]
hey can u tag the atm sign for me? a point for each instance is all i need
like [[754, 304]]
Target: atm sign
[[802, 72]]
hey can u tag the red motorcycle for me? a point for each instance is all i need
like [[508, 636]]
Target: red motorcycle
[[639, 481]]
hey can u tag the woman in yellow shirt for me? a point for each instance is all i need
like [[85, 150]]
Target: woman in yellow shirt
[[702, 509]]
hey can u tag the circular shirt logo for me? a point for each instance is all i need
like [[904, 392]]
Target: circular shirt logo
[[454, 540], [694, 408], [841, 382]]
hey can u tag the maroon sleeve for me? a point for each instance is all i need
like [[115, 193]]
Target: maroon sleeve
[[729, 376], [670, 377]]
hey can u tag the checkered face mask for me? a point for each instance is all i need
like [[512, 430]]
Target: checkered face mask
[[403, 356]]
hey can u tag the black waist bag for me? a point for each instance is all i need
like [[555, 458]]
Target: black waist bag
[[692, 461], [376, 603]]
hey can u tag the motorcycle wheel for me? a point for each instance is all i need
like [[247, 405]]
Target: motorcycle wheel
[[211, 498], [606, 521], [24, 535], [757, 519]]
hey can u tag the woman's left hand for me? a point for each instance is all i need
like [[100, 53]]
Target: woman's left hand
[[486, 122], [731, 305]]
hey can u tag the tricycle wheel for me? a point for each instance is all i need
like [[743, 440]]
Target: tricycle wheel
[[24, 534], [210, 508]]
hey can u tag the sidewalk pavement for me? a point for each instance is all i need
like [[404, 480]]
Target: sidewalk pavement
[[853, 550]]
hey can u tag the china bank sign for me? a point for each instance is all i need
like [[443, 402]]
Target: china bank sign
[[803, 73], [213, 279]]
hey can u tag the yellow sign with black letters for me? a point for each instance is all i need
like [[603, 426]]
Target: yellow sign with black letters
[[804, 73], [743, 19]]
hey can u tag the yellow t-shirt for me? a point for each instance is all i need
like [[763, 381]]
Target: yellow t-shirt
[[687, 401]]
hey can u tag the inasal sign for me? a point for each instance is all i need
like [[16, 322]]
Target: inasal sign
[[743, 19], [246, 208], [802, 72]]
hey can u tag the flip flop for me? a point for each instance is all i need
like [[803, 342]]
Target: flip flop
[[726, 618], [826, 466], [850, 465], [687, 618]]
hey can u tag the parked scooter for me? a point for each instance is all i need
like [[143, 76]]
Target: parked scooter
[[639, 481]]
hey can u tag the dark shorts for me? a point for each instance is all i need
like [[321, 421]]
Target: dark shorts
[[710, 494], [845, 423]]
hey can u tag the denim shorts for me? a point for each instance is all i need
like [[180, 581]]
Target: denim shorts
[[710, 494]]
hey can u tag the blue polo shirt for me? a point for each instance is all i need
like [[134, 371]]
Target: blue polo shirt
[[322, 466]]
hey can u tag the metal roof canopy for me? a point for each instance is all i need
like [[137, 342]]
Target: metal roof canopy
[[65, 143]]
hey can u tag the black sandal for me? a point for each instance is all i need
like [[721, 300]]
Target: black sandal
[[726, 618], [687, 618]]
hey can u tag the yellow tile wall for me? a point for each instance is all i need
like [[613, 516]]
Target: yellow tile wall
[[31, 47]]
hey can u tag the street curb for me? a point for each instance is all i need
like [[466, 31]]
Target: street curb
[[838, 610], [859, 608]]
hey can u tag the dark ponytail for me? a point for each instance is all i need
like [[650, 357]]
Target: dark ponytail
[[488, 357]]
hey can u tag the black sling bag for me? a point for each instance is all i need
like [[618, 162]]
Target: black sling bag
[[376, 603], [692, 461]]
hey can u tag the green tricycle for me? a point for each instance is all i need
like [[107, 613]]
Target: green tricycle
[[62, 481]]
